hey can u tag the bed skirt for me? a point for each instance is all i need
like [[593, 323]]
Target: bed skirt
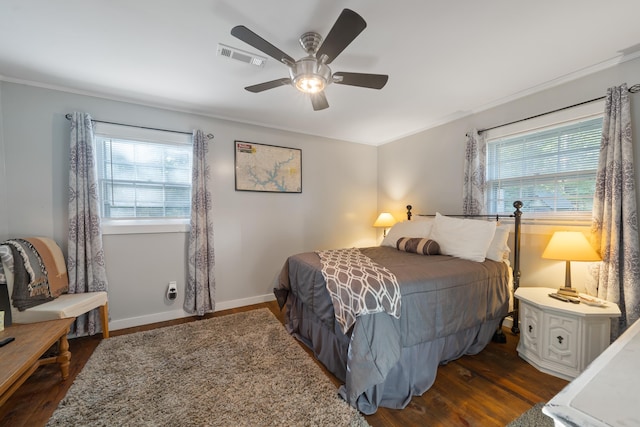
[[413, 374]]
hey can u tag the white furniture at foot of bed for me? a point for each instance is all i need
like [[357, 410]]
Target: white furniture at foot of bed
[[606, 393]]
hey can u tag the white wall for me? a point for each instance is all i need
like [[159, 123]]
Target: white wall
[[254, 232], [426, 169]]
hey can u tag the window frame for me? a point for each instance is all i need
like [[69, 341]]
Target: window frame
[[139, 225], [538, 124]]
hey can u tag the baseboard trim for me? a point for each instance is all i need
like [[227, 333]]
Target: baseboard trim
[[164, 316]]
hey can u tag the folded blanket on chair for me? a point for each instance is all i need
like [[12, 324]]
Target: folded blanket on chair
[[53, 259], [30, 283]]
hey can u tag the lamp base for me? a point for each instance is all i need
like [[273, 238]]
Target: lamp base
[[571, 292]]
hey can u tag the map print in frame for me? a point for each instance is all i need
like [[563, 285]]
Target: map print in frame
[[268, 168]]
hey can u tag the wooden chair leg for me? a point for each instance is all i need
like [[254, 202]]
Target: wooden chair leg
[[104, 316]]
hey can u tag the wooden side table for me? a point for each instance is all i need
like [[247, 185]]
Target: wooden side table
[[21, 357], [561, 338]]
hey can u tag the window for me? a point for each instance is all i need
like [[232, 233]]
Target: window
[[550, 168], [143, 174]]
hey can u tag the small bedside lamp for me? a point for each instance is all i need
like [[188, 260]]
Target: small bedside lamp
[[569, 246], [385, 220]]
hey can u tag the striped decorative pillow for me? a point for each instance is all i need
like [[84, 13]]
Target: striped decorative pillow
[[418, 245]]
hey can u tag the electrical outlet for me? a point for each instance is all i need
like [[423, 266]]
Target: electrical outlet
[[172, 291]]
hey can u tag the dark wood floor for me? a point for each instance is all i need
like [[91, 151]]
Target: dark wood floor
[[488, 389]]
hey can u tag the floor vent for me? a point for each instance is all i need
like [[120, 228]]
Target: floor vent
[[241, 55]]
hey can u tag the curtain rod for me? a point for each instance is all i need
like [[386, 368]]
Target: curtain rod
[[209, 135], [633, 89]]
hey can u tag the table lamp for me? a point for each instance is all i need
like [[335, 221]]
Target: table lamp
[[385, 220], [569, 246]]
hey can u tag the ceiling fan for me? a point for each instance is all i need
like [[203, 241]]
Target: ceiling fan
[[311, 74]]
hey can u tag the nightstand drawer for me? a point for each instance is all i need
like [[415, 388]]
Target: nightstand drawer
[[561, 342], [531, 319]]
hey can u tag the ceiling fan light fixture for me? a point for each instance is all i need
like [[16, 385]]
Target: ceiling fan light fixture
[[309, 76], [309, 83]]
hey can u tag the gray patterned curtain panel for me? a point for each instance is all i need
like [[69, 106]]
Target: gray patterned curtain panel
[[615, 220], [200, 290], [474, 191], [85, 260]]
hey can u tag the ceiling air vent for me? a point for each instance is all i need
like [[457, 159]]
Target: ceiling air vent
[[241, 55]]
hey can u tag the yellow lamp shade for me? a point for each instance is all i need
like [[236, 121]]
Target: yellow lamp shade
[[385, 219], [570, 246]]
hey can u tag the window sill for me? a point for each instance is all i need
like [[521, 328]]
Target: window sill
[[548, 220], [549, 225], [145, 226]]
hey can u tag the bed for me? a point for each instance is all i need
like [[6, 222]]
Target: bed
[[437, 307]]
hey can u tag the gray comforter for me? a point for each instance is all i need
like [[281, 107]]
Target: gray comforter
[[448, 302]]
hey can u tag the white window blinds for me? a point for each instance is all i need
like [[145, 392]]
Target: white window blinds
[[143, 175], [552, 169]]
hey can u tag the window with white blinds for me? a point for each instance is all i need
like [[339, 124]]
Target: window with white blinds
[[551, 169], [143, 174]]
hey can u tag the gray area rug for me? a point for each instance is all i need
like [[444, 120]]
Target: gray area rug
[[237, 370], [532, 418]]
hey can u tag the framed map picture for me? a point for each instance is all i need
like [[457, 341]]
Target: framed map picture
[[268, 168]]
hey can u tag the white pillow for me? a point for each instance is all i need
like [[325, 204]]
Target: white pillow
[[498, 249], [420, 229], [463, 238]]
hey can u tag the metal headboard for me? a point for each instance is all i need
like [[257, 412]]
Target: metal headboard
[[517, 215]]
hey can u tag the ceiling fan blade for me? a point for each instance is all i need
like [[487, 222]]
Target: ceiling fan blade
[[268, 85], [319, 101], [249, 37], [346, 28], [371, 81]]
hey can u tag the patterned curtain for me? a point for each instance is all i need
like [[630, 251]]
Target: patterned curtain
[[474, 174], [201, 284], [85, 260], [615, 221]]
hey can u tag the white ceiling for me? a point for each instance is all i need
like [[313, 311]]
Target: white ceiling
[[445, 59]]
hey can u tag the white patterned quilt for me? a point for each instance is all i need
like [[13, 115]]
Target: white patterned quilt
[[358, 285]]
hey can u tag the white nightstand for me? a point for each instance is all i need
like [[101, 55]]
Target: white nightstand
[[561, 338]]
